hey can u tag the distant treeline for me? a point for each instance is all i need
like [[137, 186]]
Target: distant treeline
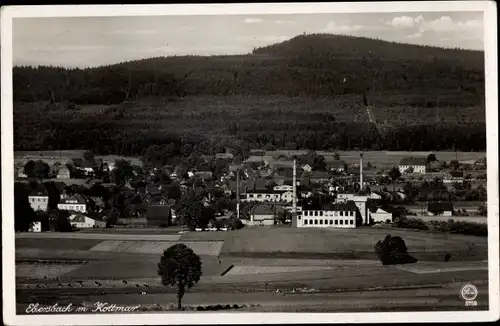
[[110, 137]]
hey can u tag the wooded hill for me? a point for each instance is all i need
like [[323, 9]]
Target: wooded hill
[[351, 72]]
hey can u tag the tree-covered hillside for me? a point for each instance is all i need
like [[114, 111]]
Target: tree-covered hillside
[[313, 91]]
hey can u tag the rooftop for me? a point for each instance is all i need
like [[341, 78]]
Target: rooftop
[[347, 206], [158, 212]]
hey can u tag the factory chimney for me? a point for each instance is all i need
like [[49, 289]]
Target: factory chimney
[[294, 200], [238, 193], [361, 172]]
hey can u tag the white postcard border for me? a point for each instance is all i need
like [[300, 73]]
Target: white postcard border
[[490, 23]]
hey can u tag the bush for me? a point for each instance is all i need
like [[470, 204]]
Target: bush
[[411, 223], [393, 251]]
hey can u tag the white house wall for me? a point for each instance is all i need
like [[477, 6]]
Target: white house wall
[[39, 203]]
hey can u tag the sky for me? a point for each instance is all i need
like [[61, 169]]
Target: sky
[[94, 41]]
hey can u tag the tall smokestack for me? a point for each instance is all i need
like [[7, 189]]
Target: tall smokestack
[[238, 193], [294, 200], [361, 171]]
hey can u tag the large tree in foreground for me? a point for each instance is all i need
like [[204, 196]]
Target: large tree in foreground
[[179, 266]]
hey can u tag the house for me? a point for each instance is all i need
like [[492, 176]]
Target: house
[[261, 196], [374, 195], [454, 177], [204, 175], [306, 167], [36, 227], [98, 201], [63, 173], [20, 171], [159, 215], [336, 166], [283, 187], [82, 221], [339, 215], [76, 202], [264, 214], [379, 215], [417, 164], [440, 209], [39, 198]]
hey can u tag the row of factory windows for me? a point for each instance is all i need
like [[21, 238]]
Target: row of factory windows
[[328, 213], [330, 222]]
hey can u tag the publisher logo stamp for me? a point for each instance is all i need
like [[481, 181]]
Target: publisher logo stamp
[[469, 294]]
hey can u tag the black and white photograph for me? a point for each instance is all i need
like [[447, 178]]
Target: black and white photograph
[[250, 163]]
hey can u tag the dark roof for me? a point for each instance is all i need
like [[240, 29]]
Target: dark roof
[[152, 189], [89, 164], [263, 191], [413, 161], [457, 174], [77, 161], [158, 212], [60, 185], [347, 206], [39, 191], [265, 209], [445, 206], [156, 200], [232, 186], [79, 198]]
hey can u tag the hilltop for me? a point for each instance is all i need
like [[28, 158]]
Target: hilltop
[[306, 65], [313, 91]]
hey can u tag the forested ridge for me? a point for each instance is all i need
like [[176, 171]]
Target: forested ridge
[[309, 92]]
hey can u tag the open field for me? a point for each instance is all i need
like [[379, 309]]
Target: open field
[[65, 156], [377, 158], [382, 158], [120, 275]]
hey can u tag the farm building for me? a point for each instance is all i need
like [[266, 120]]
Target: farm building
[[63, 173], [417, 164], [440, 209], [82, 221], [39, 198], [159, 215], [264, 214], [76, 202], [337, 166], [340, 215]]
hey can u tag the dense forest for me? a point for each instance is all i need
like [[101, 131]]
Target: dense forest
[[126, 107]]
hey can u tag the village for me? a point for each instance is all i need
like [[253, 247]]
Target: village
[[231, 191]]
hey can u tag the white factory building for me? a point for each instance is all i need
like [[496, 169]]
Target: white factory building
[[342, 215]]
